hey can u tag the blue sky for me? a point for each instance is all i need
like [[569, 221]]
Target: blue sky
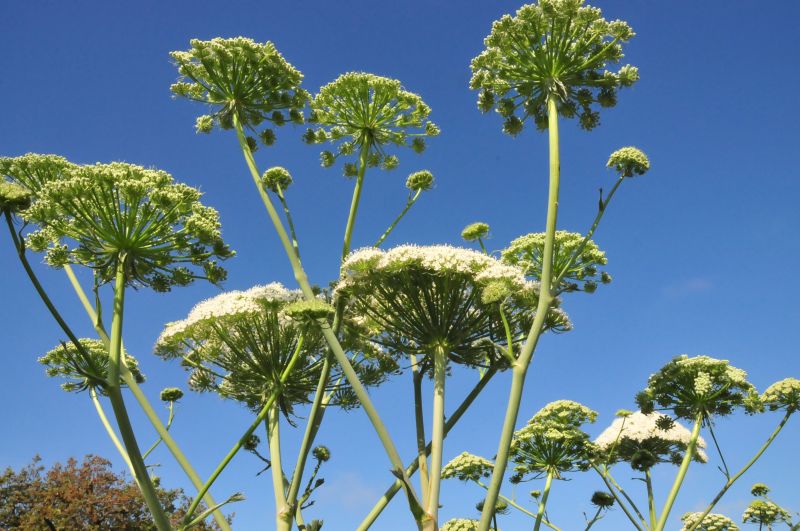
[[695, 246]]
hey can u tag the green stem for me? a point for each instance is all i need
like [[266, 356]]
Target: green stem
[[419, 424], [451, 421], [590, 233], [676, 485], [651, 504], [168, 426], [327, 331], [289, 222], [278, 485], [351, 217], [745, 468], [144, 403], [236, 447], [545, 493], [110, 430], [607, 479], [594, 519], [397, 220], [437, 432], [545, 299], [118, 405]]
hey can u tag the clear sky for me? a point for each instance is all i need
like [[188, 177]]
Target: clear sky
[[702, 249]]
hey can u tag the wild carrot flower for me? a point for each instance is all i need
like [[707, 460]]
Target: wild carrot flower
[[766, 513], [467, 467], [557, 48], [552, 441], [581, 273], [711, 522], [239, 344], [700, 385], [109, 214], [240, 77], [423, 300], [360, 111], [643, 441], [84, 369]]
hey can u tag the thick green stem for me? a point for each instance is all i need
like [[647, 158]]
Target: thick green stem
[[243, 439], [110, 430], [437, 432], [451, 421], [144, 403], [545, 300], [607, 479], [676, 485], [745, 468], [274, 437], [397, 220], [651, 503], [351, 218], [149, 493], [419, 424], [327, 331], [543, 504]]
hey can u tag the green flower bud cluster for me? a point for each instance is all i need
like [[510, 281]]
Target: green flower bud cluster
[[106, 215], [13, 197], [553, 48], [784, 395], [240, 77], [420, 181], [629, 161], [309, 311], [251, 443], [711, 522], [700, 385], [441, 290], [602, 499], [553, 442], [32, 171], [467, 467], [580, 274], [86, 368], [276, 178], [475, 231], [321, 453], [171, 394], [766, 513], [364, 111], [759, 489]]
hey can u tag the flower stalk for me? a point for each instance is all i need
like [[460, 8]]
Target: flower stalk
[[543, 504], [676, 485]]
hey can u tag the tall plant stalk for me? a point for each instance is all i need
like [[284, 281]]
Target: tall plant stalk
[[543, 504], [145, 405], [546, 296], [276, 468], [437, 436], [651, 503], [118, 405], [676, 485], [327, 331]]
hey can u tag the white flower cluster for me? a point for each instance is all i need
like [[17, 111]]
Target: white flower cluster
[[231, 303], [467, 467], [765, 512], [435, 258], [711, 522], [461, 524], [639, 427]]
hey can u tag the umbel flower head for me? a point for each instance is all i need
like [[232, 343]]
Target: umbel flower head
[[276, 178], [84, 369], [553, 48], [475, 231], [364, 111], [602, 499], [13, 197], [420, 181], [552, 442], [711, 522], [426, 300], [461, 524], [629, 161], [699, 385], [21, 178], [467, 467], [239, 343], [106, 215], [240, 77], [766, 513], [583, 274], [643, 441], [171, 394], [784, 395], [759, 489]]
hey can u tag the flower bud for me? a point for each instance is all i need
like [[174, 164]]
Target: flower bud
[[350, 170], [309, 310], [252, 144], [512, 126], [391, 162], [475, 231], [602, 499], [628, 161], [171, 394], [251, 443], [418, 144], [204, 124], [326, 159], [13, 197], [321, 453], [276, 178], [267, 137], [759, 489], [420, 180]]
